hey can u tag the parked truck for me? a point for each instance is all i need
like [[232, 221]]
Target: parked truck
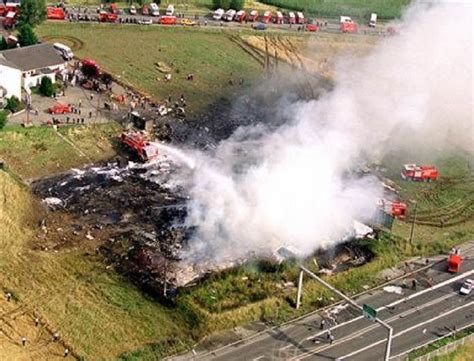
[[240, 16], [373, 20], [347, 25], [55, 13], [229, 15], [218, 14], [454, 261], [253, 15], [423, 173], [278, 18], [154, 9], [300, 17], [267, 16], [170, 10]]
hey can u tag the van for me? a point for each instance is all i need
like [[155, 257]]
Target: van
[[64, 50], [170, 10], [218, 14], [229, 15], [154, 10], [373, 20]]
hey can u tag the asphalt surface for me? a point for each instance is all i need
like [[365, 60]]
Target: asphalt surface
[[417, 317], [76, 14]]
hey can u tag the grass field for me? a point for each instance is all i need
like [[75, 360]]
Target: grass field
[[462, 353], [98, 314], [134, 54], [39, 151], [361, 9]]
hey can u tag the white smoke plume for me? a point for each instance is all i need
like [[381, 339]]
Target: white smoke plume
[[294, 186]]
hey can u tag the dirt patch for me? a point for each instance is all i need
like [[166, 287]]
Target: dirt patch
[[74, 43]]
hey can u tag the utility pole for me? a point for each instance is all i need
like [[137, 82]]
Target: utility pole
[[300, 286], [349, 300], [412, 231]]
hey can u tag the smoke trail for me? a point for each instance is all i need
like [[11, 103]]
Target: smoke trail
[[295, 186]]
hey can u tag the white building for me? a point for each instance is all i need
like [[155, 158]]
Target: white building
[[24, 67]]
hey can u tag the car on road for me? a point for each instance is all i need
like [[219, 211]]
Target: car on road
[[312, 27], [145, 22], [59, 108], [133, 10], [466, 287], [188, 22], [259, 26]]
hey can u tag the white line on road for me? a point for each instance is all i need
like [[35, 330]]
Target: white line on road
[[258, 358], [407, 330], [393, 318], [438, 285]]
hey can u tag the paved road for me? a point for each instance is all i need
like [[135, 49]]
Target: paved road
[[417, 317], [332, 25]]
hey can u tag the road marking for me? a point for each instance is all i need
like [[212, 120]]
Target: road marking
[[408, 298], [397, 316], [370, 328], [286, 347], [258, 358], [407, 330]]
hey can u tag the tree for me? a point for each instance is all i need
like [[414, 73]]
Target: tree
[[217, 4], [237, 4], [3, 44], [225, 4], [46, 87], [32, 12], [3, 118], [13, 104], [27, 36]]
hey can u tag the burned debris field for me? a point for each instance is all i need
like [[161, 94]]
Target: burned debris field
[[136, 212]]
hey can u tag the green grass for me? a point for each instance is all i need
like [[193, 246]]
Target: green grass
[[440, 343], [99, 314], [132, 52], [39, 151], [445, 208], [361, 9]]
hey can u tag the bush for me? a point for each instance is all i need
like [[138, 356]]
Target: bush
[[46, 87], [27, 36], [3, 118], [237, 4], [14, 104]]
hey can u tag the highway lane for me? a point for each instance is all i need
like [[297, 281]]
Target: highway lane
[[304, 340]]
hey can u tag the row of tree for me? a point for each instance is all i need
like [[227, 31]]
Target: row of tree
[[228, 4]]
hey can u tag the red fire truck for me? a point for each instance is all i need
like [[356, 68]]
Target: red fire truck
[[136, 142], [454, 261], [105, 17], [423, 173], [348, 27], [53, 13], [267, 16]]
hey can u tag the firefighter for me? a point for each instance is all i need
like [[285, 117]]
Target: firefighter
[[66, 352], [56, 336], [8, 296], [323, 323], [23, 341], [413, 284], [37, 321]]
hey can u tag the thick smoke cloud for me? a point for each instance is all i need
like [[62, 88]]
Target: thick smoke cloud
[[297, 185]]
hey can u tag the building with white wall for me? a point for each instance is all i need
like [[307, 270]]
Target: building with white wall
[[25, 66]]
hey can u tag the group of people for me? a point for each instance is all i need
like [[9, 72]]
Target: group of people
[[37, 322]]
